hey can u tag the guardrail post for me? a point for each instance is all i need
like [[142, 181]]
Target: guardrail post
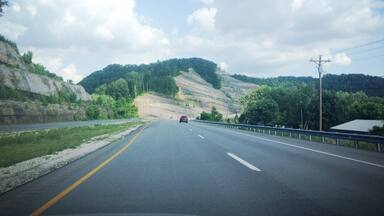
[[310, 138], [299, 136], [378, 147], [275, 132], [337, 141], [356, 144], [290, 134], [322, 139]]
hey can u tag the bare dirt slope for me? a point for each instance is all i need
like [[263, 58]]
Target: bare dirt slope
[[195, 96]]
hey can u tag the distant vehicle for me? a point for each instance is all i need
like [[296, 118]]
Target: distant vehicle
[[183, 119]]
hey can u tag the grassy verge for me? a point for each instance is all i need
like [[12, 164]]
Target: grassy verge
[[17, 147]]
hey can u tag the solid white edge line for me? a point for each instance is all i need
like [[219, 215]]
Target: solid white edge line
[[200, 136], [314, 150], [245, 163]]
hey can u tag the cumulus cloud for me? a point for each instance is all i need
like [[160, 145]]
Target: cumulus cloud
[[70, 72], [203, 19], [207, 2], [84, 34], [223, 66], [297, 4], [342, 59], [264, 37]]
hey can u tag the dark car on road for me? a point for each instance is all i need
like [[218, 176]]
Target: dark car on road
[[183, 119]]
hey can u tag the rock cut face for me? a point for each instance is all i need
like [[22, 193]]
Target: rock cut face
[[14, 74]]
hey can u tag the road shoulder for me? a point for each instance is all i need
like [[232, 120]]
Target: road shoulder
[[26, 171]]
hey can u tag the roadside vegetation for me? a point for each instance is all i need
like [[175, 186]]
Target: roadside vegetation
[[298, 106], [214, 115], [376, 130], [17, 147]]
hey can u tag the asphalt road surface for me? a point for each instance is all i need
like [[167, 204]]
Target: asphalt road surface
[[28, 127], [170, 168]]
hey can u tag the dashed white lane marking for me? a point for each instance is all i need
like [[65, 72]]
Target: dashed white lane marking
[[314, 150], [245, 163], [200, 136]]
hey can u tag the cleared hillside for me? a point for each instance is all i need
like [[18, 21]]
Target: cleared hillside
[[195, 95]]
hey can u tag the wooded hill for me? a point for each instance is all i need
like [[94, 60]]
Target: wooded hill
[[157, 77], [370, 85]]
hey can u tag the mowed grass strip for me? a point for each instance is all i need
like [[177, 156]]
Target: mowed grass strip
[[17, 147]]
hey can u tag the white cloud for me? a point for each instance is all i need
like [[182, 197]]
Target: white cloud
[[31, 10], [12, 30], [203, 18], [207, 2], [86, 35], [70, 73], [263, 37], [50, 62], [104, 33], [342, 59], [223, 66], [268, 37], [16, 7], [297, 4]]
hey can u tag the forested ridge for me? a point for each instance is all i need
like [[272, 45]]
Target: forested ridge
[[156, 77], [370, 85]]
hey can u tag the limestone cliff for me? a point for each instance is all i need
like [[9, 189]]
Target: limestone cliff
[[15, 74]]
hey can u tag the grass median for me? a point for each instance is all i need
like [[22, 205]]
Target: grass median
[[17, 147]]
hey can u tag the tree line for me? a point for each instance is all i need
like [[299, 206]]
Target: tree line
[[298, 106], [370, 85]]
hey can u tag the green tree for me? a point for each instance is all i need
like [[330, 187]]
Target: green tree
[[376, 130], [125, 109], [264, 111], [118, 89], [213, 116], [27, 57]]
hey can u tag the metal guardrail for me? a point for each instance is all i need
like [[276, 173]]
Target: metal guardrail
[[375, 142]]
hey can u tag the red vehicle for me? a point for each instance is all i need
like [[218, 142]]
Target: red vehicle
[[183, 119]]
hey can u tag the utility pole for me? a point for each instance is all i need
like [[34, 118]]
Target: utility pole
[[319, 62]]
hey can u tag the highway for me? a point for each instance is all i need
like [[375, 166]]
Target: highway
[[41, 126], [168, 168]]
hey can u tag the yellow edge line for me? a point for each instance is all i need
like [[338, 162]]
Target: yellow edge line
[[73, 186]]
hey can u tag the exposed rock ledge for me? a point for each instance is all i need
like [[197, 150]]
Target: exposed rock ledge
[[14, 74]]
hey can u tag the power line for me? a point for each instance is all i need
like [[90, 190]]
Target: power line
[[361, 45], [373, 57], [354, 52]]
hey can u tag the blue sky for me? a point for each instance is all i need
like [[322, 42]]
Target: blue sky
[[263, 38]]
